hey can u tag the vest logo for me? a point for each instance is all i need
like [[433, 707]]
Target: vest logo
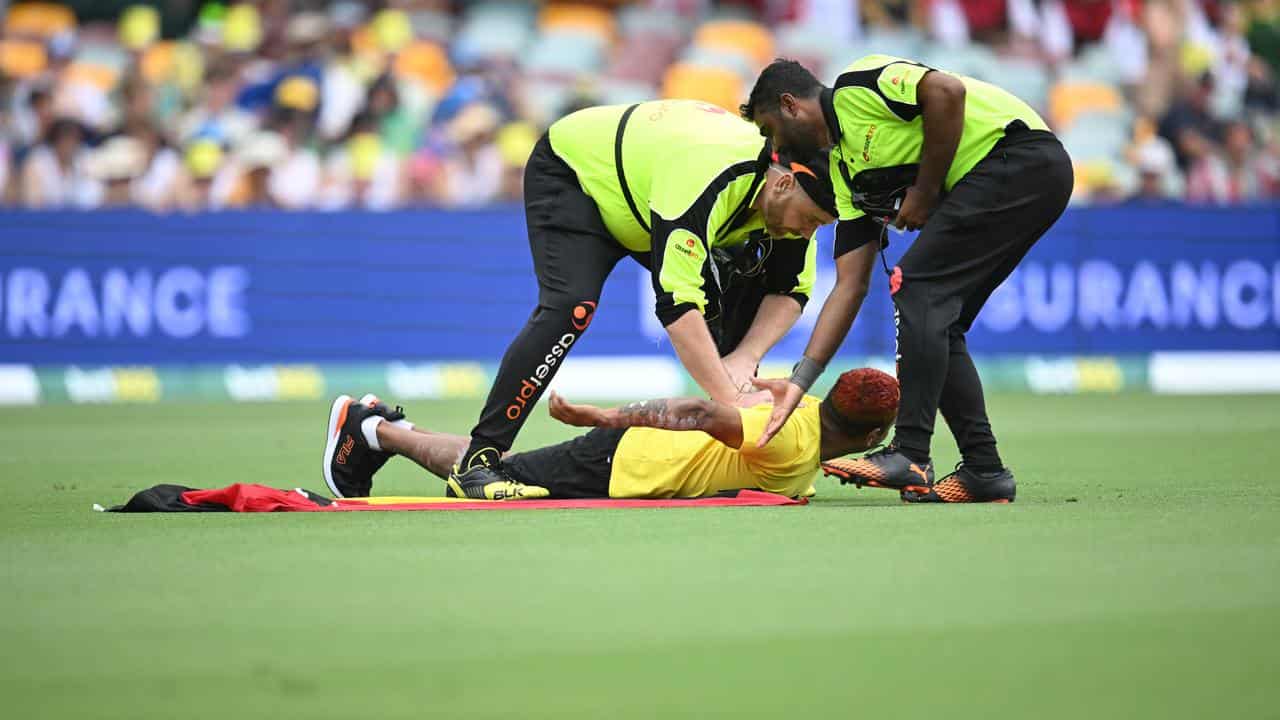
[[531, 386], [866, 144], [583, 312]]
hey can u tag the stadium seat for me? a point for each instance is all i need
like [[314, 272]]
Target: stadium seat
[[38, 19], [1027, 79], [620, 92], [638, 19], [545, 99], [565, 54], [22, 59], [975, 61], [643, 57], [578, 18], [1067, 100], [426, 64], [1095, 136], [718, 86], [433, 25], [493, 29], [712, 57], [903, 42], [750, 39]]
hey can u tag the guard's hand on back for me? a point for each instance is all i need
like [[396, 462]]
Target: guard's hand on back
[[786, 397]]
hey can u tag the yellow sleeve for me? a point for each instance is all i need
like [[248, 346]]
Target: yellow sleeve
[[679, 277]]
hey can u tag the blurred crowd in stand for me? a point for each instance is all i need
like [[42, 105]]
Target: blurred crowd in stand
[[298, 104]]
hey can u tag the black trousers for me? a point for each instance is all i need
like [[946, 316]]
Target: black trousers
[[573, 255], [971, 243], [577, 468]]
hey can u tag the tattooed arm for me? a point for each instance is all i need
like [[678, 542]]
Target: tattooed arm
[[720, 421]]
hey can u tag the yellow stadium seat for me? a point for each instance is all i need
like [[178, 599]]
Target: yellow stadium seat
[[751, 39], [39, 19], [1069, 100], [717, 86], [426, 63], [21, 59], [575, 17]]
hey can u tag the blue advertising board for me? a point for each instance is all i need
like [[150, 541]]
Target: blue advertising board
[[130, 287]]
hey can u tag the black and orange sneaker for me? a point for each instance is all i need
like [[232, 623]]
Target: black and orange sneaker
[[967, 486], [349, 461], [884, 468]]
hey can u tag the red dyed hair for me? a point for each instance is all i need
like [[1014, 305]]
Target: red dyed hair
[[865, 397]]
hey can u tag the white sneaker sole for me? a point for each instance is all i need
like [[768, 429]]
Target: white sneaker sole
[[337, 413]]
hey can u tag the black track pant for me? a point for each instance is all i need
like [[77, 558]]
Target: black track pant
[[573, 254], [971, 243]]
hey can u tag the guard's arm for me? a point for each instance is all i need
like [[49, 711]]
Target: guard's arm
[[790, 270], [853, 278], [720, 421], [697, 352], [941, 99], [680, 268]]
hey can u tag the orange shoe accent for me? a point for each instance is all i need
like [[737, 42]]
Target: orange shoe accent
[[342, 418], [345, 450], [923, 475]]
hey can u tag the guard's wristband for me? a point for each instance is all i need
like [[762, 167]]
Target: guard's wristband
[[806, 372]]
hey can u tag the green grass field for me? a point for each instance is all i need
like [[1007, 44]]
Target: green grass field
[[1137, 576]]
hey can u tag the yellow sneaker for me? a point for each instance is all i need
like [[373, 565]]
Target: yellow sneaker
[[481, 482]]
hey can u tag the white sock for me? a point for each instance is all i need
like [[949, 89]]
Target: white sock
[[369, 426], [403, 424]]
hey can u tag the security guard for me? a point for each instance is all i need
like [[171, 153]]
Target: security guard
[[979, 172], [673, 184]]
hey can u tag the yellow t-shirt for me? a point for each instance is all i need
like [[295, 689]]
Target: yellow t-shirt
[[653, 463]]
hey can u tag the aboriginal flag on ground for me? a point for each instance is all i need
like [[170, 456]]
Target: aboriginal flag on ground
[[245, 497]]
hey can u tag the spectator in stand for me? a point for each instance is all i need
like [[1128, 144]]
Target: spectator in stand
[[257, 159], [156, 188], [1157, 172], [117, 163], [1264, 31], [209, 182], [473, 169], [1188, 125], [56, 172], [33, 120], [216, 114], [296, 176], [1238, 174], [363, 173], [397, 127]]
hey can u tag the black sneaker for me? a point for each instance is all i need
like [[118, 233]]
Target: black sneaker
[[349, 462], [485, 479], [885, 468], [968, 486]]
